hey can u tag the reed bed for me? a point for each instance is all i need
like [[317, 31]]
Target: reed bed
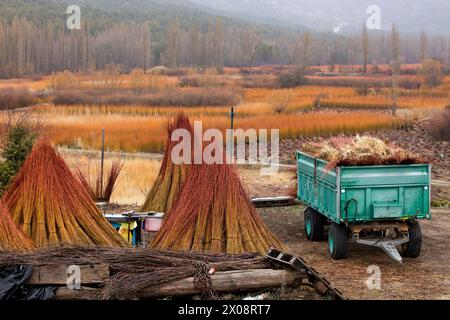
[[133, 269], [11, 237], [171, 177], [52, 207], [360, 151], [214, 214]]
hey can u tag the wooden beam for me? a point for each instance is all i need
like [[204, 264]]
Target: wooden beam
[[85, 293], [227, 281], [57, 275]]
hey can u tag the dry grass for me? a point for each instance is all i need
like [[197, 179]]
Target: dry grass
[[109, 80], [440, 125], [184, 97], [15, 98], [340, 97]]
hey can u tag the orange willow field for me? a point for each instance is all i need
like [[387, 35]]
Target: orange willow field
[[146, 133], [310, 110]]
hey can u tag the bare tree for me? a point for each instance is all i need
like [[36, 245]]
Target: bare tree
[[145, 46], [432, 72], [249, 44], [423, 46], [365, 46], [395, 66], [173, 45], [218, 45], [303, 49]]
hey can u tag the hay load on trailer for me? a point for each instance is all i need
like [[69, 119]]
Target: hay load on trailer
[[51, 206], [171, 177], [214, 214], [368, 192], [11, 237], [360, 151]]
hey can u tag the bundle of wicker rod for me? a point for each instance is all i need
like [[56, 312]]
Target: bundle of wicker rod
[[133, 269], [214, 214], [171, 177], [11, 237], [360, 151], [101, 188], [51, 205]]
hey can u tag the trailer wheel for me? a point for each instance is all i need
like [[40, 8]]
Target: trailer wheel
[[413, 247], [338, 241], [314, 224]]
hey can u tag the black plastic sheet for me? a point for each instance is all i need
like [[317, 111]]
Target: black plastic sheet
[[13, 285]]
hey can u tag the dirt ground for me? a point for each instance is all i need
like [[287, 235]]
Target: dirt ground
[[426, 277]]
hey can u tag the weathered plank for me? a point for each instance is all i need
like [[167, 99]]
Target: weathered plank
[[228, 281], [85, 293], [57, 275]]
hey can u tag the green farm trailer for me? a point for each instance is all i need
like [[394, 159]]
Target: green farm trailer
[[371, 205]]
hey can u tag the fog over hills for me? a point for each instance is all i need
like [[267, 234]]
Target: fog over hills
[[343, 15]]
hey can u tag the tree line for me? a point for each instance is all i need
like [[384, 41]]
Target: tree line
[[28, 48]]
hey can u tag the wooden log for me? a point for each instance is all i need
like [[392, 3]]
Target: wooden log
[[57, 275], [227, 281]]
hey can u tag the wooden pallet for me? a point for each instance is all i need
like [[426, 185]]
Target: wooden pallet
[[320, 283]]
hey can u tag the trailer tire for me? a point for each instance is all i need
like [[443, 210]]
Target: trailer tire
[[414, 246], [314, 224], [338, 241]]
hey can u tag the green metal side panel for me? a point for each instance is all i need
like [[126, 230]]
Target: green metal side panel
[[393, 192], [317, 186], [365, 193]]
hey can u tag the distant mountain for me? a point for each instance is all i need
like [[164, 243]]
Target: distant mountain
[[339, 15]]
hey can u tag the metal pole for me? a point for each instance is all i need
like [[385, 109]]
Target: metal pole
[[232, 118], [102, 161], [232, 133]]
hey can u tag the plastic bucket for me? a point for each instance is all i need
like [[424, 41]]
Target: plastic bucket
[[152, 224]]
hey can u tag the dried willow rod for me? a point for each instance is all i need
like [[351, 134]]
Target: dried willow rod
[[171, 177], [11, 237], [94, 188], [214, 214], [133, 269], [51, 206]]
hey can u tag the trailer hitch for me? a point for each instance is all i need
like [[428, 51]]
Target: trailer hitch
[[389, 246]]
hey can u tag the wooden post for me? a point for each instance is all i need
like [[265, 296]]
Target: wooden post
[[102, 161]]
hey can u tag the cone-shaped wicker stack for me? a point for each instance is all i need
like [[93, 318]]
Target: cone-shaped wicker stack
[[11, 238], [51, 206], [171, 177], [214, 214]]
